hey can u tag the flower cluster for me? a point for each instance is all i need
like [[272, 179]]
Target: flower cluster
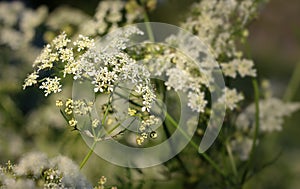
[[105, 67], [231, 97], [56, 54], [272, 112], [53, 179], [243, 67], [36, 170], [220, 24], [51, 85]]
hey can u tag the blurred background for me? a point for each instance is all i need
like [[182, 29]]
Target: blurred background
[[274, 44]]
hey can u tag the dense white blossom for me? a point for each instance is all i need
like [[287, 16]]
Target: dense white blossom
[[231, 98], [66, 55], [51, 85], [60, 41], [83, 42], [104, 80], [30, 80], [45, 59], [197, 101], [178, 79]]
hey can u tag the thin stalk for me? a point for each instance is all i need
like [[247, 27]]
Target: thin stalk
[[88, 155], [148, 26], [95, 141], [232, 162], [114, 127], [105, 114], [253, 148], [293, 85]]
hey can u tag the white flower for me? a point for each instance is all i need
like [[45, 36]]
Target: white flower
[[60, 41], [51, 85], [30, 20], [12, 38], [245, 68], [229, 69], [30, 80], [66, 16], [231, 97], [12, 183], [71, 68], [46, 58], [66, 54], [9, 12], [83, 42], [148, 98], [178, 79], [196, 101], [242, 66], [214, 21], [104, 80]]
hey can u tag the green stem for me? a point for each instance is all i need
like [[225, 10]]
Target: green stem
[[148, 26], [95, 141], [232, 162], [114, 127], [293, 85], [253, 148], [205, 156], [105, 114], [88, 155]]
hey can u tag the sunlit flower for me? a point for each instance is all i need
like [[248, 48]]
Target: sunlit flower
[[51, 85], [30, 80], [83, 42]]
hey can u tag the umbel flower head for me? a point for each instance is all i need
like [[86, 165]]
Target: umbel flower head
[[104, 67]]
